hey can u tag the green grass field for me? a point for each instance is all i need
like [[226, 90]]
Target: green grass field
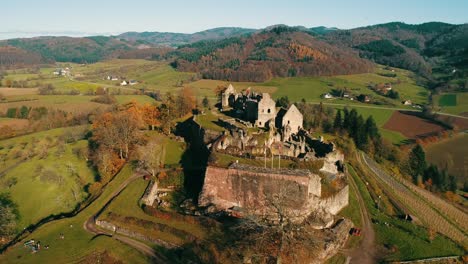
[[52, 187], [448, 100], [77, 242], [456, 103], [127, 204]]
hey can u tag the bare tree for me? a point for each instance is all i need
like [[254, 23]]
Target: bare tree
[[151, 156], [271, 234]]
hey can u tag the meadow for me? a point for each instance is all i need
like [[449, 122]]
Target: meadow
[[29, 166], [454, 103], [77, 243]]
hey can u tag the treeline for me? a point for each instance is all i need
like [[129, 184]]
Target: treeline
[[11, 57], [429, 176]]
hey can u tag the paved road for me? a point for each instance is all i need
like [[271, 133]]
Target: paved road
[[90, 225], [366, 251], [387, 108], [428, 208]]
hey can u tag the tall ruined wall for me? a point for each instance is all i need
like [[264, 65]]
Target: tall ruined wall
[[253, 190], [337, 202], [266, 110], [293, 118]]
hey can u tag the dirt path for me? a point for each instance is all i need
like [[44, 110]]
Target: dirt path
[[90, 225], [366, 251]]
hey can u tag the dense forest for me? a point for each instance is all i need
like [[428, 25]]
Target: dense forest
[[276, 52]]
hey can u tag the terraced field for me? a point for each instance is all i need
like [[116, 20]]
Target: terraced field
[[429, 209]]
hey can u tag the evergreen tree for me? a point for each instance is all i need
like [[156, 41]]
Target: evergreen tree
[[452, 183], [338, 123], [24, 112], [206, 102], [371, 128], [346, 119], [417, 162], [360, 135]]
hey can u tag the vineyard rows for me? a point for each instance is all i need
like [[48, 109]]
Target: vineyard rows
[[425, 205]]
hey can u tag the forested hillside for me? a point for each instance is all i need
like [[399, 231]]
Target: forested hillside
[[420, 48], [279, 51]]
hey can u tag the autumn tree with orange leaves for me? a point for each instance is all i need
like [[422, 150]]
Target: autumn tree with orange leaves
[[118, 130]]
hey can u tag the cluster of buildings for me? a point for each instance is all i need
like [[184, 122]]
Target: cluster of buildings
[[242, 189], [62, 72]]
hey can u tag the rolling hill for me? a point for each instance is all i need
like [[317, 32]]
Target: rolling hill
[[177, 39], [274, 52], [419, 48]]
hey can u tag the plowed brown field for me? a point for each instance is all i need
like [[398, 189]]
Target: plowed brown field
[[412, 126]]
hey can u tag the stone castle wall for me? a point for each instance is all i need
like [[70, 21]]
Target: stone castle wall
[[337, 202], [226, 188]]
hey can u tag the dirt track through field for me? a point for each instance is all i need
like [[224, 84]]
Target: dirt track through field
[[366, 251]]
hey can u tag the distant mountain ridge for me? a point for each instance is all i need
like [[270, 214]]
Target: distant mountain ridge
[[423, 48], [177, 39]]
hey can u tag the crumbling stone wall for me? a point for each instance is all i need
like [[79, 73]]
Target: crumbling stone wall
[[293, 118], [266, 110], [337, 202]]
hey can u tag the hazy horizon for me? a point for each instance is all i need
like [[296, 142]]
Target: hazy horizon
[[27, 18]]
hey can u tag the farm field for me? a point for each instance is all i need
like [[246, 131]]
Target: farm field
[[451, 153], [448, 100], [69, 103], [77, 243], [14, 123], [29, 166], [411, 126], [455, 103], [17, 91]]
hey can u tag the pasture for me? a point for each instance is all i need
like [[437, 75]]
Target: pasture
[[29, 166], [69, 103], [17, 91], [14, 123], [455, 103], [77, 243], [448, 100], [451, 153]]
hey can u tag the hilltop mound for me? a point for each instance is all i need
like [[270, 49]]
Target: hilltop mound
[[68, 49], [279, 51]]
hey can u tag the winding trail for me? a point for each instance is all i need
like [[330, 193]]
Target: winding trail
[[90, 225], [366, 251]]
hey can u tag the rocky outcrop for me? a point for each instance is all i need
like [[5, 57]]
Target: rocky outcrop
[[260, 191]]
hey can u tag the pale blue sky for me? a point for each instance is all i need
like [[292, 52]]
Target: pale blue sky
[[105, 16]]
